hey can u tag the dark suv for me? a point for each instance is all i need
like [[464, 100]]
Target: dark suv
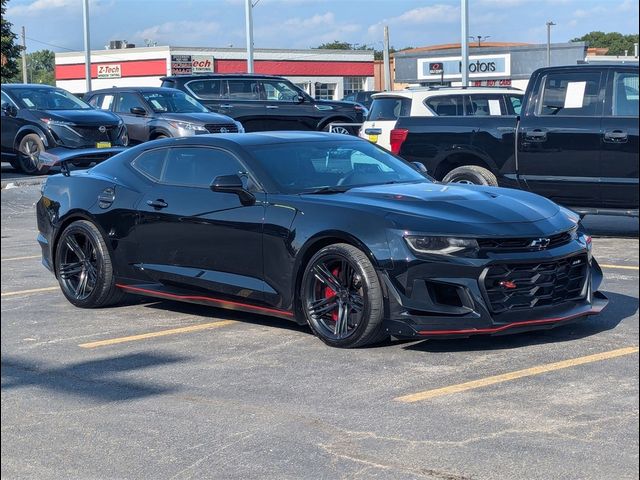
[[153, 112], [264, 102], [43, 125]]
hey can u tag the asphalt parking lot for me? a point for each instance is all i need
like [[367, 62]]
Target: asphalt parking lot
[[167, 390]]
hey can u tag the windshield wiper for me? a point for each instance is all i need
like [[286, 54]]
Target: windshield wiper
[[325, 190]]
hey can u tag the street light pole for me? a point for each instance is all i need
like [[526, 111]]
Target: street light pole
[[87, 46], [549, 25], [464, 41], [248, 7], [387, 64]]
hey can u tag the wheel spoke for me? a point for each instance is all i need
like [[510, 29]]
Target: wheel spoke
[[322, 306], [68, 270], [82, 285], [323, 274], [342, 322], [356, 302], [72, 243]]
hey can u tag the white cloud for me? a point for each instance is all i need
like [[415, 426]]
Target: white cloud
[[433, 14], [42, 6], [183, 33]]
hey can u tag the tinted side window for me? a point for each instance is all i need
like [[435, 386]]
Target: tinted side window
[[151, 163], [279, 91], [211, 89], [103, 101], [6, 100], [446, 105], [389, 108], [484, 105], [570, 94], [126, 101], [242, 89], [198, 167], [625, 94]]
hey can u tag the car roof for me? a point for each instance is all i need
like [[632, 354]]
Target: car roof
[[206, 76], [133, 89], [261, 138], [433, 92], [17, 86]]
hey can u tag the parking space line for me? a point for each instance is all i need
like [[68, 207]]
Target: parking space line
[[20, 258], [624, 267], [161, 333], [527, 372], [28, 292]]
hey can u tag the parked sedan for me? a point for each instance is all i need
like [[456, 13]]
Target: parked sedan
[[318, 228], [43, 125], [151, 113]]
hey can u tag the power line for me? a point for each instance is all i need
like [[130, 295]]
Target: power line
[[51, 44]]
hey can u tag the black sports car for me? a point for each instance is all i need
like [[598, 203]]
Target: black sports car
[[318, 228]]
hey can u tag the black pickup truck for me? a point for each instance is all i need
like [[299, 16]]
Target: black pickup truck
[[575, 140]]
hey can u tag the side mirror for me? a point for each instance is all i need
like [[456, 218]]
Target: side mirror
[[233, 184], [419, 167], [138, 111], [300, 98], [10, 110]]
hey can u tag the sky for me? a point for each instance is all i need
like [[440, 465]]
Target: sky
[[57, 24]]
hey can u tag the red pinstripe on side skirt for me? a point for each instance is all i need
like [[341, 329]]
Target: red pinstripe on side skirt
[[218, 301]]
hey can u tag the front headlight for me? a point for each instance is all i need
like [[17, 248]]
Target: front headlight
[[440, 245], [192, 127], [59, 123]]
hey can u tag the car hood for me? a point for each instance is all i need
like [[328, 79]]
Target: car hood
[[199, 118], [86, 117], [451, 208]]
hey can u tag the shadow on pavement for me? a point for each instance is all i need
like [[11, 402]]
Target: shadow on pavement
[[620, 307], [95, 379]]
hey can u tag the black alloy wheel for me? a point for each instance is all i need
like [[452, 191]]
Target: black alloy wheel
[[29, 151], [342, 297], [83, 267]]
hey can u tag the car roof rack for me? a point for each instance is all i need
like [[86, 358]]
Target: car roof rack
[[449, 87]]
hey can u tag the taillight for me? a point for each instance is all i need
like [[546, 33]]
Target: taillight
[[398, 136]]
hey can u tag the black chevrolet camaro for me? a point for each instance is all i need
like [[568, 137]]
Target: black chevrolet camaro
[[318, 228]]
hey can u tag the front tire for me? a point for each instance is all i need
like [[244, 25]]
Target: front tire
[[471, 175], [29, 151], [342, 297], [84, 267], [339, 129]]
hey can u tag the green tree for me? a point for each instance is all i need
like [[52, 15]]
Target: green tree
[[40, 68], [10, 50], [338, 45], [616, 42]]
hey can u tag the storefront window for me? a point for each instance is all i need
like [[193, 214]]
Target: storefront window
[[354, 84], [325, 91]]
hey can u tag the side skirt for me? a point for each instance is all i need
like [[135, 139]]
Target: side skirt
[[160, 291]]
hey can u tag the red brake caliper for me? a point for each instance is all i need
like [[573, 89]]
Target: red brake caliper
[[328, 293]]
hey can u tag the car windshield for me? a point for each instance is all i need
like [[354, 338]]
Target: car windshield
[[173, 102], [328, 167], [48, 99]]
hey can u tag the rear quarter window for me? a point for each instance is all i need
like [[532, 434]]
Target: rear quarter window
[[446, 105], [389, 108]]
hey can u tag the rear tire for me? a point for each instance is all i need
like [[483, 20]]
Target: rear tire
[[471, 174], [341, 130], [29, 150], [84, 268], [342, 298]]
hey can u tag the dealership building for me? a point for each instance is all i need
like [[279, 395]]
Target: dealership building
[[490, 64], [325, 74]]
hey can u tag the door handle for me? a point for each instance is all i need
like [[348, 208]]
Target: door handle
[[615, 136], [226, 105], [159, 203], [271, 107], [536, 135]]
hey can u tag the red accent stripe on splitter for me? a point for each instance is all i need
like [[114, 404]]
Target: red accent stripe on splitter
[[592, 311], [218, 301]]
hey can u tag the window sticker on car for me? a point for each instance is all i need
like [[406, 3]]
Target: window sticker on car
[[494, 107], [575, 94], [157, 106], [28, 102], [107, 101]]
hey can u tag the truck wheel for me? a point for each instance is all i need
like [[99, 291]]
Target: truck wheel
[[471, 175]]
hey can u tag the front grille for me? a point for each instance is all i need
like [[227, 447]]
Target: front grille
[[218, 127], [525, 286], [525, 244], [92, 134]]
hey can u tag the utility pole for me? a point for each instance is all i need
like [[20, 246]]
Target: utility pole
[[87, 45], [464, 42], [549, 25], [387, 63], [25, 79], [248, 7], [635, 49]]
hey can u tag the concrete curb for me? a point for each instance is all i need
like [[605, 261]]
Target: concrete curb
[[21, 182]]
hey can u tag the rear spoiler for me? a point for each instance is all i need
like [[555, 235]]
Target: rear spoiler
[[65, 157]]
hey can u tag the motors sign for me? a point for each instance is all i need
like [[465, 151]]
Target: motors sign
[[112, 70], [189, 64], [480, 66]]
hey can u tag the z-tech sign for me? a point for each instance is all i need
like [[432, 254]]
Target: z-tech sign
[[188, 64], [112, 70]]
